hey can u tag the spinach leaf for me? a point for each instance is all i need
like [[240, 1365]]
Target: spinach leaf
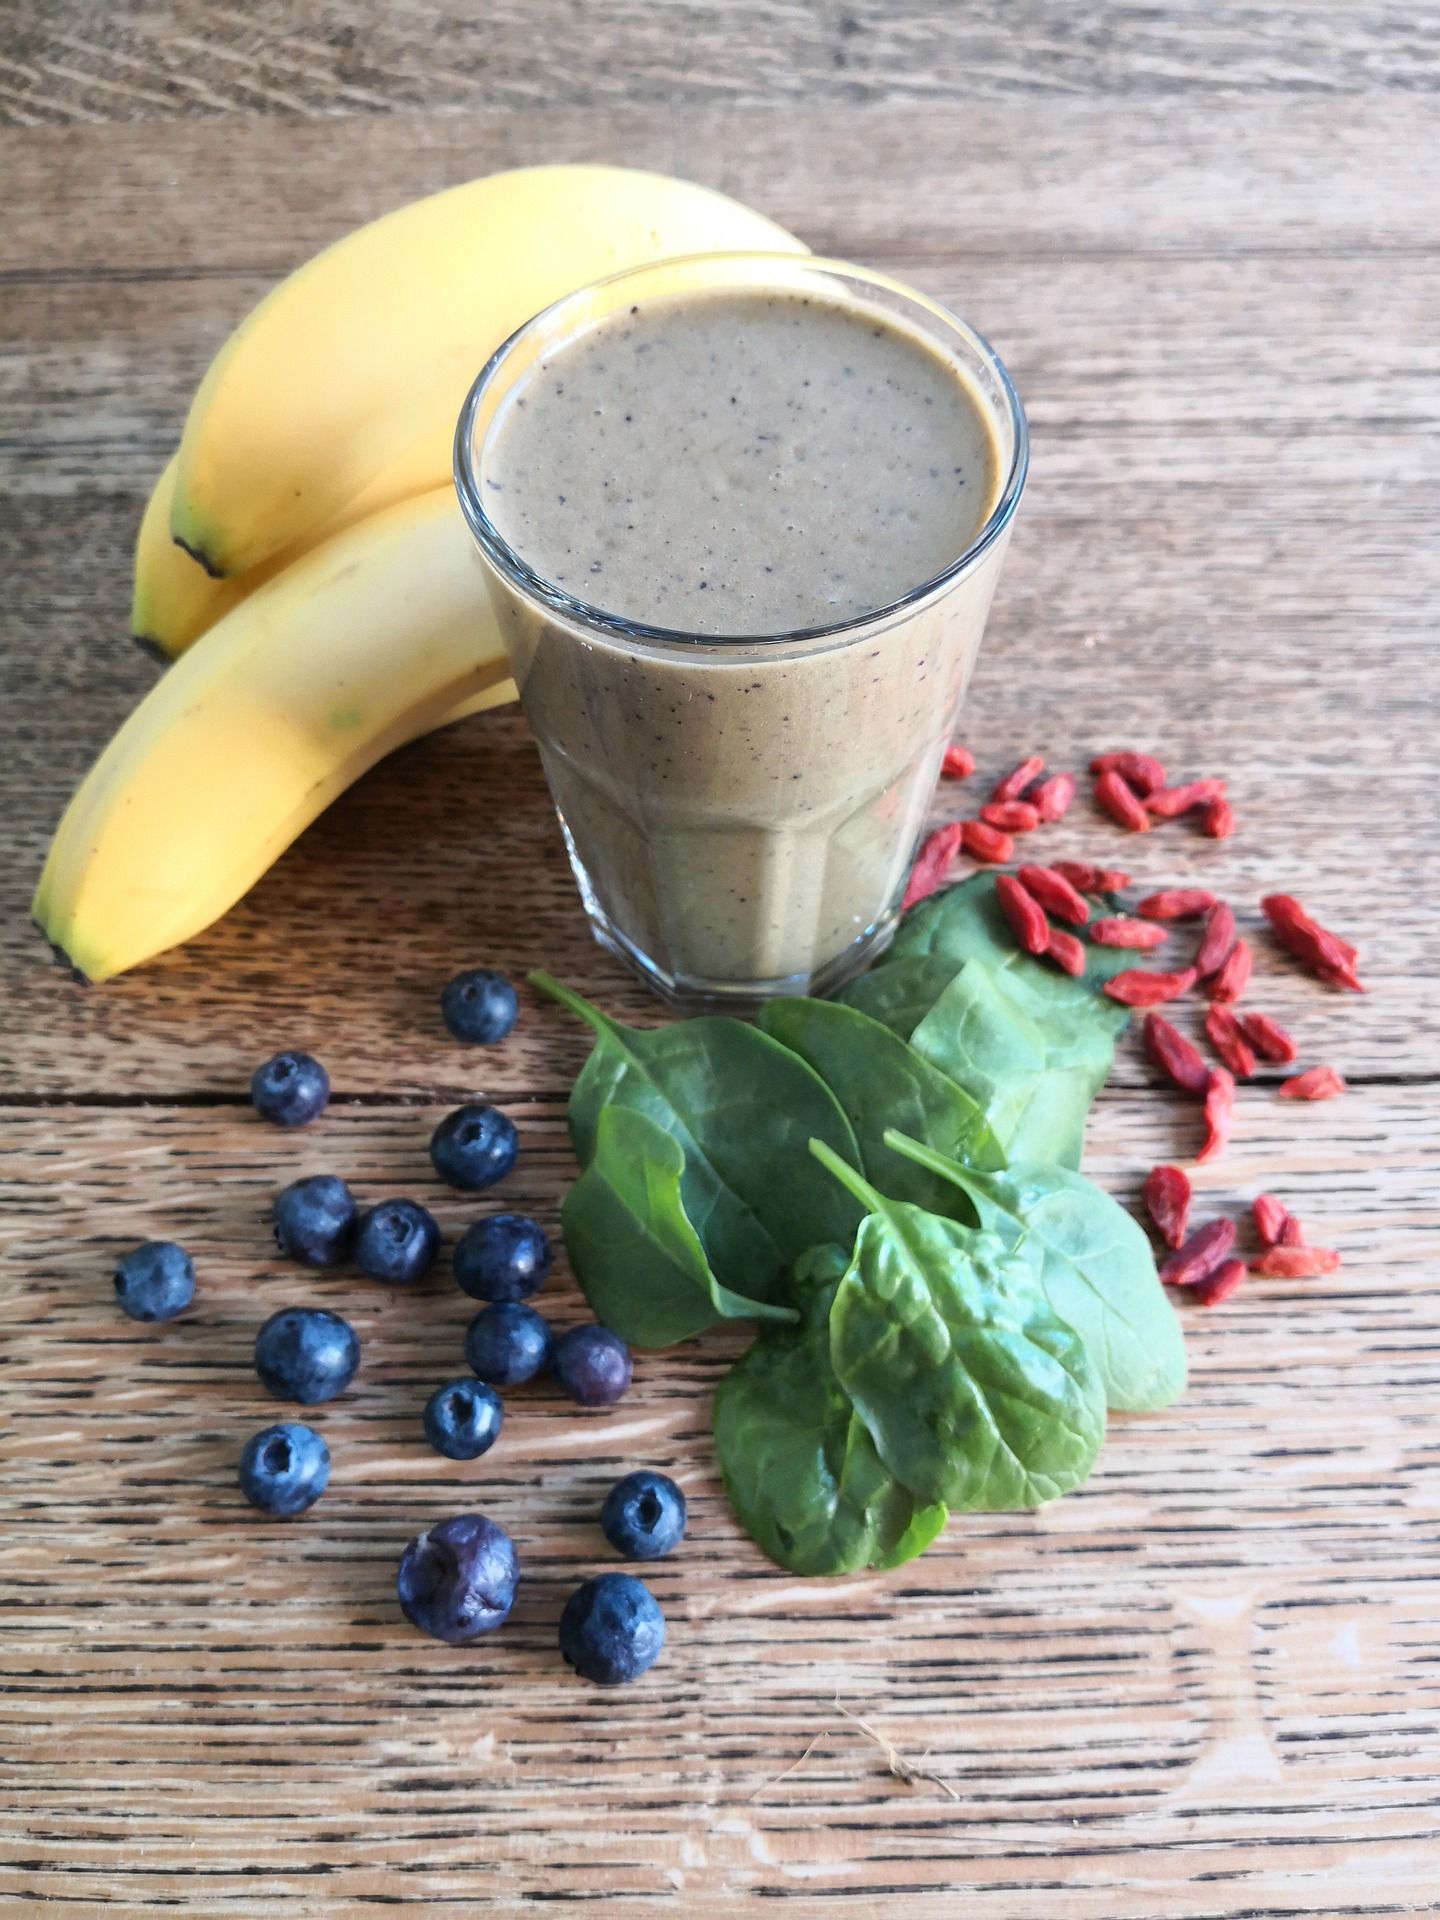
[[1093, 1263], [878, 1079], [637, 1257], [983, 1037], [798, 1464], [974, 1390], [742, 1108]]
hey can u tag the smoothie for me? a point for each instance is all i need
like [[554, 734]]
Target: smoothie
[[712, 510]]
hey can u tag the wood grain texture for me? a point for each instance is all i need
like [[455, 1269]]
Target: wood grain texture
[[1204, 1687]]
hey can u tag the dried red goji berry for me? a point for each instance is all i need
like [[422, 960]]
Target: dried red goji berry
[[1011, 816], [1168, 1050], [1219, 1285], [1138, 987], [1051, 798], [1024, 912], [1141, 770], [1217, 941], [1269, 1038], [1121, 803], [1167, 1195], [1270, 1217], [1322, 952], [959, 762], [1066, 951], [1233, 978], [1018, 778], [1316, 1083], [932, 864], [1176, 903], [1201, 1254], [1217, 822], [1170, 802], [1128, 933], [1056, 895], [1219, 1113], [986, 843], [1089, 879], [1296, 1263], [1292, 1234], [1229, 1042]]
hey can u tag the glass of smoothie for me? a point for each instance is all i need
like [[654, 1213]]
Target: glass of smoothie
[[740, 518]]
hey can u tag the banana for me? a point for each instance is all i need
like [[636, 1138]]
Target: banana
[[340, 392], [372, 638], [175, 600]]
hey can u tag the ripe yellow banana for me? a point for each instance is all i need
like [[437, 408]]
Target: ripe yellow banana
[[175, 600], [372, 638], [340, 392]]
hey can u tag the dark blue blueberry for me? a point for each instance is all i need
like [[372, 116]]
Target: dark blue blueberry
[[612, 1629], [458, 1580], [503, 1258], [644, 1515], [306, 1354], [463, 1420], [397, 1241], [479, 1006], [156, 1281], [474, 1147], [508, 1344], [592, 1364], [284, 1469], [314, 1220], [291, 1089]]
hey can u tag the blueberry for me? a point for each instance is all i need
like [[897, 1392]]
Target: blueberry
[[314, 1220], [644, 1515], [306, 1354], [291, 1089], [479, 1006], [463, 1419], [156, 1281], [284, 1469], [592, 1364], [474, 1147], [458, 1580], [503, 1258], [397, 1241], [612, 1629], [508, 1344]]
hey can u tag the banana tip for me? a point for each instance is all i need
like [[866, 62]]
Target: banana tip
[[61, 957]]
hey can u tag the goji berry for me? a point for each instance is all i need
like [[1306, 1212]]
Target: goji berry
[[1024, 912], [1051, 798], [1176, 903], [932, 864], [1018, 778], [1219, 1113], [986, 843], [1011, 816], [1223, 1030], [1056, 895], [1121, 802], [1219, 1285], [959, 762], [1217, 941], [1088, 879], [1066, 951], [1167, 1195], [1138, 987], [1200, 1255], [1128, 933], [1270, 1217], [1168, 1050], [1170, 802], [1269, 1038], [1292, 1234], [1296, 1263], [1217, 822], [1140, 770], [1322, 952], [1316, 1083], [1233, 978]]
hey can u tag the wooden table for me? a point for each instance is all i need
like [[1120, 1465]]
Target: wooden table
[[1208, 1685]]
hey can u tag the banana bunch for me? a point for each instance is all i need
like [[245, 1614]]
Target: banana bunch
[[303, 560]]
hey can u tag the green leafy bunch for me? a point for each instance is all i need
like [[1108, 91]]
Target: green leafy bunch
[[888, 1185]]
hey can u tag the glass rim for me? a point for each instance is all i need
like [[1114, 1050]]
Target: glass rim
[[512, 566]]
